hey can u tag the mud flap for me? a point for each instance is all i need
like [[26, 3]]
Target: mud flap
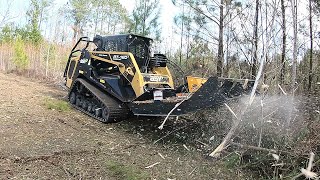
[[209, 95]]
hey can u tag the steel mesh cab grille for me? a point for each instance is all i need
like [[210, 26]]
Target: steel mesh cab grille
[[159, 60]]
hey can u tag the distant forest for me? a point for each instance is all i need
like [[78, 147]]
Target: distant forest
[[227, 38]]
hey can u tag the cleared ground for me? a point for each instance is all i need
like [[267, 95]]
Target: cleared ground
[[39, 142]]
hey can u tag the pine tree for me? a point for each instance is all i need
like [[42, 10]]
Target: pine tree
[[79, 13], [145, 19], [35, 16]]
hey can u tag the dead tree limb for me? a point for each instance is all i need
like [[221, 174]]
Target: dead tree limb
[[236, 123], [227, 138], [174, 108], [307, 172]]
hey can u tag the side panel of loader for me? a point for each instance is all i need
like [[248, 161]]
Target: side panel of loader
[[73, 71]]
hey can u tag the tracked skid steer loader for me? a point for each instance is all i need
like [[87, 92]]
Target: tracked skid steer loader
[[113, 77]]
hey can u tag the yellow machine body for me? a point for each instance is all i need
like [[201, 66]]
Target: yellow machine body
[[138, 81], [194, 83]]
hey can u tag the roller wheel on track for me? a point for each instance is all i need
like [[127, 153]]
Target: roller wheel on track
[[105, 115], [97, 112], [72, 98], [78, 101], [84, 105], [90, 107]]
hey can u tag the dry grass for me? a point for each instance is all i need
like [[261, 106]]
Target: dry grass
[[45, 60]]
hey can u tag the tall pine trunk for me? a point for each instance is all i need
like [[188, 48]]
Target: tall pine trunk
[[181, 38], [255, 42], [220, 45], [284, 37], [295, 36], [311, 47]]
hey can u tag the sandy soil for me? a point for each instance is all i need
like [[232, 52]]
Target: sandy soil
[[40, 143]]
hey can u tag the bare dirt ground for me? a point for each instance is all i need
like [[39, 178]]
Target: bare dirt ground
[[41, 143]]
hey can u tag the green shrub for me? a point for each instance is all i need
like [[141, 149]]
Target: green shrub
[[7, 34], [20, 58]]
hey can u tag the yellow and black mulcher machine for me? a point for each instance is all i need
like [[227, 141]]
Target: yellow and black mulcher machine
[[121, 77]]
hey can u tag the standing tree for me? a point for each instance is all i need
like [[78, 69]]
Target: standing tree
[[255, 42], [183, 22], [311, 47], [182, 19], [145, 18], [79, 13], [295, 47], [35, 15], [284, 37], [108, 13], [206, 18], [43, 5], [220, 41]]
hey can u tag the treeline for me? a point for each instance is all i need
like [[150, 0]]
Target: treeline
[[27, 49], [227, 38], [240, 36], [110, 17], [83, 17]]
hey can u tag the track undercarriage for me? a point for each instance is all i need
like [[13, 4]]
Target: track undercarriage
[[93, 102]]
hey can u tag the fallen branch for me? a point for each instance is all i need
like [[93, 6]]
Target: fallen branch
[[307, 172], [161, 155], [192, 171], [227, 138], [174, 108], [232, 112], [148, 167], [282, 90], [202, 143], [186, 147]]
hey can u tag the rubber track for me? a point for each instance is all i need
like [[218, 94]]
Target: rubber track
[[117, 110]]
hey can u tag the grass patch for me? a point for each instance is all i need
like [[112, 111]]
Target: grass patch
[[56, 104], [125, 172], [232, 161]]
